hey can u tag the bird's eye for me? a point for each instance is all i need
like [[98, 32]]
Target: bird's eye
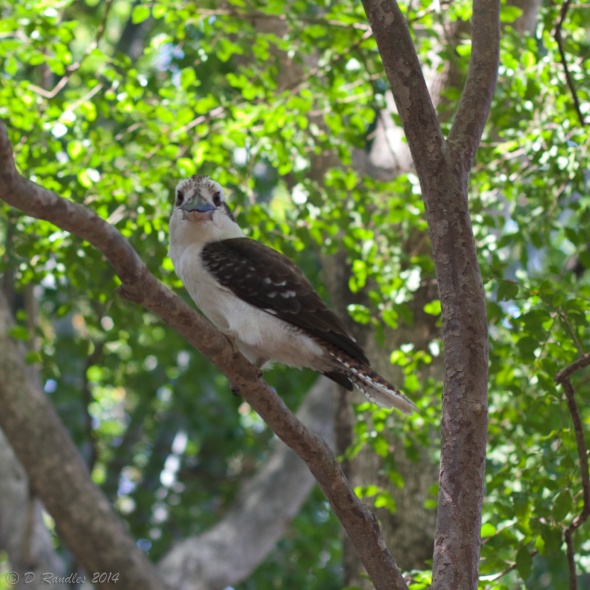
[[179, 198], [217, 199]]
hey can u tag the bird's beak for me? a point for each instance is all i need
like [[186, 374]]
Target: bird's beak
[[199, 207]]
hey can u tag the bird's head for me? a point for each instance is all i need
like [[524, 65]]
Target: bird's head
[[200, 213]]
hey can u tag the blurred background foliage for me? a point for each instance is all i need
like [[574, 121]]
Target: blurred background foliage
[[110, 103]]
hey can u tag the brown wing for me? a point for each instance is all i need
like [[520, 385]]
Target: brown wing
[[270, 281]]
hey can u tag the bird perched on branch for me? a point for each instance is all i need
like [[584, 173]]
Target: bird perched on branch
[[260, 299]]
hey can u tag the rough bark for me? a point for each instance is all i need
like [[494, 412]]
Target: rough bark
[[143, 288], [228, 552], [443, 168], [390, 156]]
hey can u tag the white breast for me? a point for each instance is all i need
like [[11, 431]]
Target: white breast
[[259, 335]]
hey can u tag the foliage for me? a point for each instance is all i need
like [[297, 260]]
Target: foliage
[[101, 98]]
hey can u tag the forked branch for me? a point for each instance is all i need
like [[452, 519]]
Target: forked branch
[[443, 169], [478, 92]]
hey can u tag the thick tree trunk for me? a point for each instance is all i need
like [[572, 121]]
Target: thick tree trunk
[[443, 167], [58, 476], [409, 532]]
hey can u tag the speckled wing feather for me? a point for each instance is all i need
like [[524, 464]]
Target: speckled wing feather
[[270, 281]]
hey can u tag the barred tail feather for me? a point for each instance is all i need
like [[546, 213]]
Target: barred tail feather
[[377, 389], [381, 392]]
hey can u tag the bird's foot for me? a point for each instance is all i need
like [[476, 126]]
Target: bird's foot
[[232, 339]]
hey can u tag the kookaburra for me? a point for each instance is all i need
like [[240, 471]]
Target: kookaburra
[[260, 299]]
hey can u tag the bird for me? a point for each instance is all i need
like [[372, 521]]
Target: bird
[[260, 299]]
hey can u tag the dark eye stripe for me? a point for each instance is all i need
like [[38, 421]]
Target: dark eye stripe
[[228, 211], [179, 197]]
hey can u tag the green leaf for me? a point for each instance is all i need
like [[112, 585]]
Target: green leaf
[[385, 500], [186, 167], [140, 13], [464, 50], [524, 562], [75, 149], [562, 506], [506, 290], [433, 307], [32, 357], [552, 538], [359, 313], [508, 14], [522, 506], [159, 10], [188, 77], [527, 347], [19, 333], [381, 446]]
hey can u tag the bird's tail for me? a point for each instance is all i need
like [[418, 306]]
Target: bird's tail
[[380, 391], [377, 389]]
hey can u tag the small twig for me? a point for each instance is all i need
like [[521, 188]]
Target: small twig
[[102, 27], [563, 377], [549, 330], [571, 564], [575, 366], [436, 9], [582, 452], [49, 94], [568, 76], [86, 97], [571, 331], [511, 567], [129, 129], [212, 114]]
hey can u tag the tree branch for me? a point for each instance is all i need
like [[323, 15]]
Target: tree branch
[[582, 362], [404, 73], [23, 535], [260, 515], [480, 84], [143, 288], [568, 75], [443, 169], [563, 377], [57, 474]]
